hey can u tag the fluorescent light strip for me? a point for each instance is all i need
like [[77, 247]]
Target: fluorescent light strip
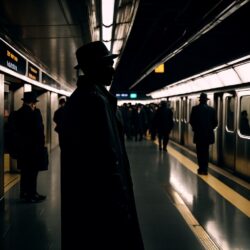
[[33, 82], [106, 33], [108, 12], [235, 71], [107, 21]]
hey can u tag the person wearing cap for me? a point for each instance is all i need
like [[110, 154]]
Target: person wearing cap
[[203, 120], [96, 184], [28, 131]]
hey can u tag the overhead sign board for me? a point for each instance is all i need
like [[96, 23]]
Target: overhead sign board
[[33, 72], [10, 59]]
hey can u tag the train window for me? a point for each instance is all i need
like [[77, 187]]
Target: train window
[[7, 101], [189, 107], [244, 124], [230, 100], [177, 113], [184, 110]]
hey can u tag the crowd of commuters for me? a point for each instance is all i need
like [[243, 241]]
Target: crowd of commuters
[[154, 119]]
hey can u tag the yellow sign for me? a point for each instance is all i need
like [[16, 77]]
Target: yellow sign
[[12, 56], [160, 69]]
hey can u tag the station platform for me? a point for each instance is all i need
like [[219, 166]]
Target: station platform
[[177, 208]]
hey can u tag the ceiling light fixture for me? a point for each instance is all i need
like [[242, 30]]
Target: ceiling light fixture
[[107, 21]]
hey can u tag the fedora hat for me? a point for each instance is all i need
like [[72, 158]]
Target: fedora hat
[[29, 97], [91, 53], [203, 96]]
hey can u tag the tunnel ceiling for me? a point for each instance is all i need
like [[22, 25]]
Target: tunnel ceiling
[[49, 32], [161, 27]]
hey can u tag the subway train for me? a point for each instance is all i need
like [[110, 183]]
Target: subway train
[[228, 91]]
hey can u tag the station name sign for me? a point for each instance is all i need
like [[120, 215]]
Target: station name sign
[[10, 59]]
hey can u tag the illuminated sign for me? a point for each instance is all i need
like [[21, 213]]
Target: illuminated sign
[[133, 95], [160, 69], [122, 95], [10, 59], [126, 95], [33, 72]]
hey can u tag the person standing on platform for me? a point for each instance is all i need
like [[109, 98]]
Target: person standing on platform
[[203, 120], [58, 116], [163, 124], [96, 184], [28, 135]]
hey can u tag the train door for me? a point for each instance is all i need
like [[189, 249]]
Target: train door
[[172, 106], [216, 148], [184, 122], [1, 135], [242, 164], [229, 130], [176, 118], [191, 101]]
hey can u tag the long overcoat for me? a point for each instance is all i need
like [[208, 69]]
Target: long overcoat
[[29, 138], [203, 120], [97, 191], [163, 121]]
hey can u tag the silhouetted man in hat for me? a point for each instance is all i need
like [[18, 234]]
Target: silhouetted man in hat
[[97, 190], [203, 120], [28, 135], [163, 124]]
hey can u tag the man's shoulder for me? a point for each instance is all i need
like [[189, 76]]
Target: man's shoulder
[[211, 109], [85, 99], [195, 107], [87, 94]]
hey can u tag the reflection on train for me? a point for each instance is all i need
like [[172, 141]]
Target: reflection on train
[[232, 136]]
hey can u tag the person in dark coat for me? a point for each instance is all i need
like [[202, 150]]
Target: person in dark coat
[[244, 123], [30, 140], [203, 120], [96, 185], [163, 124], [58, 116]]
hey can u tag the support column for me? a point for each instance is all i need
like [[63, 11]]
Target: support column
[[1, 136]]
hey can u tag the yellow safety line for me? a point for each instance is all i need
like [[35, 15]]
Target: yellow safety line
[[219, 170], [10, 181], [193, 224], [228, 193]]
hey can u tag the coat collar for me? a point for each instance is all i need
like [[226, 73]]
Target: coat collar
[[85, 82]]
